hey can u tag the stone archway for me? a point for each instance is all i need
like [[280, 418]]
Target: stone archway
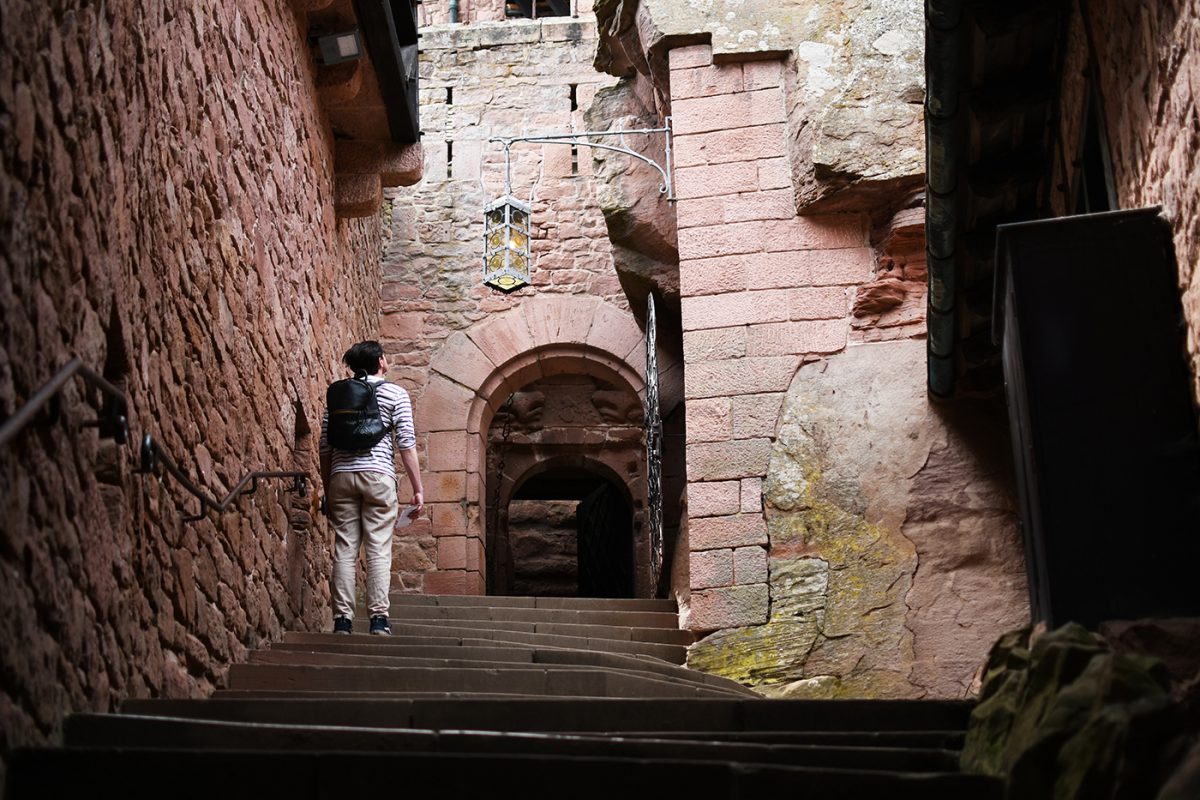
[[471, 376], [571, 524]]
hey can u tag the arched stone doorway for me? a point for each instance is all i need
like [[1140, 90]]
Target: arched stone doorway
[[471, 378], [568, 527]]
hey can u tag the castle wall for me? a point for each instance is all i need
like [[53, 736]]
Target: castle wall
[[443, 329], [1148, 68], [844, 537], [166, 214]]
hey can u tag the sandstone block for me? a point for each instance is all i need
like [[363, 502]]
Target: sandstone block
[[713, 180], [714, 344], [829, 232], [712, 499], [750, 144], [711, 568], [452, 552], [461, 360], [701, 114], [819, 303], [712, 275], [737, 530], [731, 607], [443, 406], [706, 81], [762, 74], [802, 268], [446, 487], [734, 309], [751, 496], [614, 331], [756, 415], [774, 173], [448, 519], [447, 451], [697, 55], [715, 461], [446, 582], [753, 374], [749, 565], [800, 338], [708, 420]]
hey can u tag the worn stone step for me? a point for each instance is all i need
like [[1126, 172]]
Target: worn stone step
[[496, 601], [114, 730], [618, 632], [937, 740], [611, 715], [333, 653], [568, 660], [670, 653], [565, 616], [138, 773], [552, 681]]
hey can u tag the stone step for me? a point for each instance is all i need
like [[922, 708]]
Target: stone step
[[334, 653], [618, 632], [205, 775], [495, 601], [551, 681], [611, 715], [112, 730], [937, 740], [565, 616], [443, 634], [546, 658]]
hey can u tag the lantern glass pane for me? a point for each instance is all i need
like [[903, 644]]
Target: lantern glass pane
[[496, 261], [495, 239], [519, 262], [517, 241], [520, 218], [495, 217]]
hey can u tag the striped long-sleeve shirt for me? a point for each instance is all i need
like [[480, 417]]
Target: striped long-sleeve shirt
[[396, 410]]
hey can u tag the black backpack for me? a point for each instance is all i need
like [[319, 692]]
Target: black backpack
[[354, 420]]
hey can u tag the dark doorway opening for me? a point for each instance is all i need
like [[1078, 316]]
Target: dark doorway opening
[[570, 533]]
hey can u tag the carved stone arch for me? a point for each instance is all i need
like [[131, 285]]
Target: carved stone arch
[[471, 375]]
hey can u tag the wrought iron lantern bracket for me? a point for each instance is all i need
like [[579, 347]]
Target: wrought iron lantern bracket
[[584, 138]]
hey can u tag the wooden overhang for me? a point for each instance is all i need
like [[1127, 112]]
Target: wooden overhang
[[371, 103], [992, 72]]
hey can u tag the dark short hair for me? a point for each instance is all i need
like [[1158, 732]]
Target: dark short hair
[[364, 356]]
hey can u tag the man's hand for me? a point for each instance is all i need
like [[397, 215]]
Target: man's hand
[[418, 500]]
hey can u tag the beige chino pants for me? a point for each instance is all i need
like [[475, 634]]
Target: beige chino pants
[[363, 511]]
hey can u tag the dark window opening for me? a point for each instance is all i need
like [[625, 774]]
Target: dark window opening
[[1094, 191], [574, 97], [449, 159], [536, 9], [574, 159], [449, 95]]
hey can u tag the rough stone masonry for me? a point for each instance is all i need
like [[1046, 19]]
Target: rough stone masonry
[[165, 214]]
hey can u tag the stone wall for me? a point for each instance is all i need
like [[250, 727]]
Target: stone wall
[[845, 538], [1148, 61], [166, 214], [441, 326]]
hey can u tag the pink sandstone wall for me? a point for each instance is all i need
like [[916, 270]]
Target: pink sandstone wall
[[447, 334], [166, 214], [844, 537], [1149, 69]]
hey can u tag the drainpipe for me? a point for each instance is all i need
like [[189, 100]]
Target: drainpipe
[[453, 11]]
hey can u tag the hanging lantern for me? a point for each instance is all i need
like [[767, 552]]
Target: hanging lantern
[[506, 260]]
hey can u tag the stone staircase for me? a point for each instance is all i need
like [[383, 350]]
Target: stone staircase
[[495, 696]]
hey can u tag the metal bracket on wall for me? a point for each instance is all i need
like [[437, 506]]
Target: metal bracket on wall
[[583, 138]]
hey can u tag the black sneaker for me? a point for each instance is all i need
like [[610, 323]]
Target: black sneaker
[[343, 625], [379, 626]]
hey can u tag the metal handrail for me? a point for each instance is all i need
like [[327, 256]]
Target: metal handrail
[[115, 424], [153, 454]]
